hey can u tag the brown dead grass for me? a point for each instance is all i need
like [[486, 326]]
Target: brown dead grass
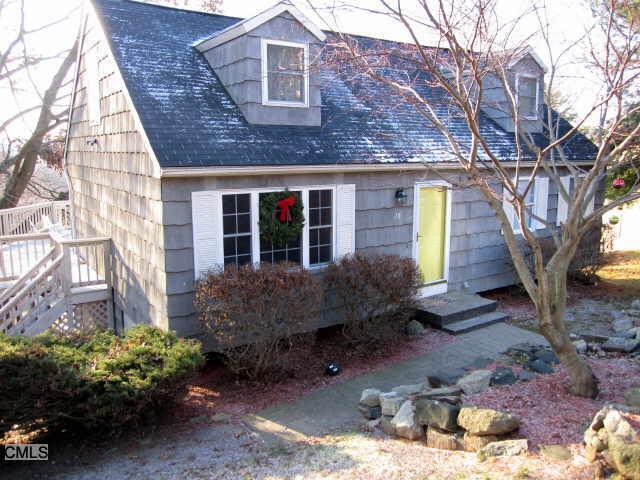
[[623, 270]]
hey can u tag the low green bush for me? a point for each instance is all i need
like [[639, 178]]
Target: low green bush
[[97, 382]]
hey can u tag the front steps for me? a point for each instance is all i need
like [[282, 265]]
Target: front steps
[[459, 312]]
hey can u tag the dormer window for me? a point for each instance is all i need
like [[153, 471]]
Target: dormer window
[[527, 96], [285, 79]]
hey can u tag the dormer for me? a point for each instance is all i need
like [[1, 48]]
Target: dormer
[[269, 65], [525, 74]]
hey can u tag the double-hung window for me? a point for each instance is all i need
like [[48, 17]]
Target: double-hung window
[[568, 183], [535, 204], [285, 73], [527, 96], [244, 244]]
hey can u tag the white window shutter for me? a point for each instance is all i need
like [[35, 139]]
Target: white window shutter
[[563, 206], [508, 207], [541, 201], [592, 201], [346, 220], [208, 247]]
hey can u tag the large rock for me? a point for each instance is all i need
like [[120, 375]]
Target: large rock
[[370, 397], [386, 425], [435, 393], [443, 440], [547, 356], [390, 403], [370, 413], [405, 424], [621, 322], [414, 327], [484, 421], [406, 390], [636, 304], [625, 457], [620, 345], [616, 425], [475, 382], [581, 346], [505, 448], [503, 376], [555, 452], [473, 443], [632, 396], [434, 413], [539, 366]]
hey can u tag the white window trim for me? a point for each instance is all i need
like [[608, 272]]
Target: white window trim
[[265, 74], [538, 203], [304, 193], [537, 79]]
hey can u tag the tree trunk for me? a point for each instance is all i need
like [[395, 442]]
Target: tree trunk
[[583, 381]]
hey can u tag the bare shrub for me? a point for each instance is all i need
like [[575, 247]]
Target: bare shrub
[[257, 314], [377, 294]]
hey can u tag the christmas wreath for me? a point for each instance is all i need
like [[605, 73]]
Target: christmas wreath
[[281, 217]]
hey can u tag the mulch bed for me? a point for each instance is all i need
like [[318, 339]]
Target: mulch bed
[[216, 391], [549, 414]]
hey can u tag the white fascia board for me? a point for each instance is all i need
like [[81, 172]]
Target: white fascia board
[[178, 172], [252, 23]]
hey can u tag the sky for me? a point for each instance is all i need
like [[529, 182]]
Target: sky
[[569, 18]]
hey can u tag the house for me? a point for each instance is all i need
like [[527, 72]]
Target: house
[[181, 122]]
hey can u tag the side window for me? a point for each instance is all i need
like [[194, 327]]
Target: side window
[[285, 73], [527, 95], [236, 225], [320, 226], [529, 202]]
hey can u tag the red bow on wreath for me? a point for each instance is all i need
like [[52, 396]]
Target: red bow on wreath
[[284, 205]]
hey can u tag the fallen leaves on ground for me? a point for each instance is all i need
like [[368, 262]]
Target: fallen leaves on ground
[[549, 414]]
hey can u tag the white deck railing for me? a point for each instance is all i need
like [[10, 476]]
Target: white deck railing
[[32, 218]]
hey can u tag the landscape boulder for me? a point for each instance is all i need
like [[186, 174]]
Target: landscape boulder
[[503, 376], [390, 403], [505, 448], [404, 422], [539, 366], [613, 436], [473, 443], [621, 322], [475, 382], [434, 413], [620, 345], [547, 356], [581, 346], [443, 440], [555, 452], [635, 305], [485, 421], [370, 413], [414, 327], [370, 397], [406, 390]]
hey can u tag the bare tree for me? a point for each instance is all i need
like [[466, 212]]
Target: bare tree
[[472, 50], [21, 154]]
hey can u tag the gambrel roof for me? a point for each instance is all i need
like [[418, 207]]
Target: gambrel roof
[[191, 121]]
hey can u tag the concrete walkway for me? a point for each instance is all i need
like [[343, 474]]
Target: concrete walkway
[[333, 407]]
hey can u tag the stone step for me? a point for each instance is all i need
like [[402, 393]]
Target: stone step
[[441, 310], [475, 323]]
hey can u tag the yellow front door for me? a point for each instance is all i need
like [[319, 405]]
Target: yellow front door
[[432, 233]]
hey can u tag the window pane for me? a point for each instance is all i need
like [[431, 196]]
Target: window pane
[[313, 237], [313, 255], [325, 254], [326, 197], [314, 217], [244, 203], [244, 223], [229, 224], [527, 87], [314, 198], [325, 236], [528, 107], [325, 216], [281, 58], [286, 87], [244, 245], [229, 246], [244, 259], [228, 204]]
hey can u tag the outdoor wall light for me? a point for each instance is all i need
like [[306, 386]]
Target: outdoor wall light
[[401, 196]]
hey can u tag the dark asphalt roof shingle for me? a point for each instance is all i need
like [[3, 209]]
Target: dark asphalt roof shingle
[[192, 121]]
